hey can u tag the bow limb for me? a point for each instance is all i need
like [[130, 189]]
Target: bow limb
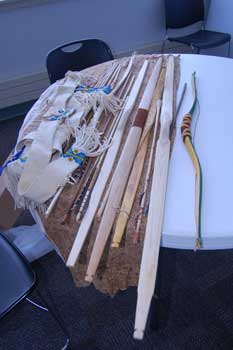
[[187, 139], [198, 199]]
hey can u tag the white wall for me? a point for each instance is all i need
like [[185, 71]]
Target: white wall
[[29, 33], [220, 16], [220, 19]]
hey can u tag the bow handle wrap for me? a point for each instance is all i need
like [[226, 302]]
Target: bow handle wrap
[[186, 127]]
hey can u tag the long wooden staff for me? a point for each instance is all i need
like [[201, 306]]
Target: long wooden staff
[[105, 170], [121, 173], [143, 206], [187, 139], [136, 171], [152, 239]]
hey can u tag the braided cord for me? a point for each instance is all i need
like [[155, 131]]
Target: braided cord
[[187, 139]]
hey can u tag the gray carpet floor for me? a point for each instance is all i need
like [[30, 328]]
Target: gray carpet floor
[[194, 311]]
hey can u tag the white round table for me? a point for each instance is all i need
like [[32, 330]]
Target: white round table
[[214, 144]]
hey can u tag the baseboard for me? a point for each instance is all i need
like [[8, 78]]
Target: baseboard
[[22, 89], [149, 48]]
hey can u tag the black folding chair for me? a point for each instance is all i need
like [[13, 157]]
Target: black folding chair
[[75, 56], [17, 281], [182, 13]]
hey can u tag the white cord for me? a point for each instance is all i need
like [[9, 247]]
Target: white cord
[[66, 344], [37, 305], [45, 309]]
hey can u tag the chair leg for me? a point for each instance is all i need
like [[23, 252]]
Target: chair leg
[[229, 49], [194, 50], [163, 46]]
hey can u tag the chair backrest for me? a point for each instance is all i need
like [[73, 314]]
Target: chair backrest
[[76, 56], [17, 277], [182, 13]]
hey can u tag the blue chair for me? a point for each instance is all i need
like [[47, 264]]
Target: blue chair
[[75, 56], [182, 13]]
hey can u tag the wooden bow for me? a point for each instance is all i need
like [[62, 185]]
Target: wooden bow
[[136, 172], [187, 139], [152, 239]]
